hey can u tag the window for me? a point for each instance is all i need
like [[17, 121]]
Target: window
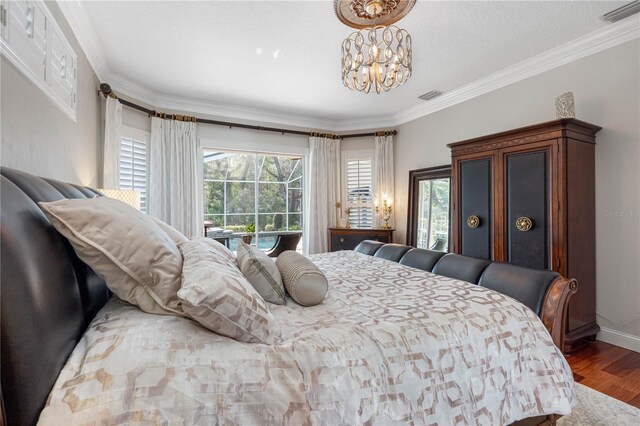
[[358, 177], [133, 165], [241, 189]]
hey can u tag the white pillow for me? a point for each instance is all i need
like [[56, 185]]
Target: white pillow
[[216, 294], [303, 280], [219, 248], [177, 236], [262, 273], [138, 261]]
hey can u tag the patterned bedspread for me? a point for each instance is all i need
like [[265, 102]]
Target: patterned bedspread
[[389, 345]]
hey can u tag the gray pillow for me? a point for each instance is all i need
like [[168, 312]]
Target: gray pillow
[[261, 271], [306, 284]]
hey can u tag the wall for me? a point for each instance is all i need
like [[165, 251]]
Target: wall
[[607, 92], [39, 138]]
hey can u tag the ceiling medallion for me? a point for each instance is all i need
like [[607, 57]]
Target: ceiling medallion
[[373, 9], [370, 13], [378, 56]]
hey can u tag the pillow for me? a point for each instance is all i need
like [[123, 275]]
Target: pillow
[[137, 260], [262, 273], [175, 235], [219, 248], [216, 294], [306, 284]]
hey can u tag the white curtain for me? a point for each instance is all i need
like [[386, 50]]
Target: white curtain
[[175, 175], [323, 192], [111, 144], [383, 173]]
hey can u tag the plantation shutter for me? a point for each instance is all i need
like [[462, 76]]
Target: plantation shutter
[[133, 168], [360, 192]]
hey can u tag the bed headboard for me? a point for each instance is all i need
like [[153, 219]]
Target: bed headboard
[[48, 296]]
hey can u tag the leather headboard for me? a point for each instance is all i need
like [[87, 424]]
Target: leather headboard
[[368, 247], [48, 296], [421, 258], [529, 286], [392, 252], [461, 267]]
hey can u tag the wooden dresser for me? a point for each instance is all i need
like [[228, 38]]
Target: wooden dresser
[[349, 238], [527, 196]]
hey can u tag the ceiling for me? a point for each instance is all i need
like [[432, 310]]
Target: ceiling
[[284, 56]]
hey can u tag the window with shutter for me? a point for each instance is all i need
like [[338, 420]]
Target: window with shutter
[[359, 191], [133, 167]]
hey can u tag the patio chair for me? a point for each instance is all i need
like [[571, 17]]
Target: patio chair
[[284, 242]]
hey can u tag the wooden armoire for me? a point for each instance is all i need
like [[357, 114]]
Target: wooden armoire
[[527, 196]]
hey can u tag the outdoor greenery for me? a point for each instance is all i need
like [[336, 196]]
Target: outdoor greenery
[[433, 214], [234, 183]]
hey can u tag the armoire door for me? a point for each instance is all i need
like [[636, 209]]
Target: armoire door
[[475, 188], [527, 206]]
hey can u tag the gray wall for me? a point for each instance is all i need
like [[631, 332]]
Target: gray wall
[[39, 138], [607, 92]]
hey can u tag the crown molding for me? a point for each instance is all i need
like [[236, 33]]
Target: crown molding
[[125, 87], [219, 110], [369, 123], [244, 113], [597, 41], [80, 24]]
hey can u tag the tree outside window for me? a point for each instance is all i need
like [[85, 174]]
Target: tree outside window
[[245, 188]]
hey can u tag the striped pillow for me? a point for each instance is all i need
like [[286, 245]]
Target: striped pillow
[[261, 271], [304, 281]]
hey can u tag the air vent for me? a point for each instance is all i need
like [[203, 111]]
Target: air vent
[[622, 12], [430, 95]]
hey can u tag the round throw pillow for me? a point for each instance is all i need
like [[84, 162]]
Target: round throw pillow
[[306, 284]]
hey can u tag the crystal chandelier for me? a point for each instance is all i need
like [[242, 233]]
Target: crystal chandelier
[[378, 55]]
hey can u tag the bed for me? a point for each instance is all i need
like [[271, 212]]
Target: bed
[[390, 345]]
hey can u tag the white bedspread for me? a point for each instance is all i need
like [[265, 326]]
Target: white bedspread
[[390, 344]]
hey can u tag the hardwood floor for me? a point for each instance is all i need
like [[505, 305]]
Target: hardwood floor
[[609, 369]]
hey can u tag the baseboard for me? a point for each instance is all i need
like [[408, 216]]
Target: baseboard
[[618, 338]]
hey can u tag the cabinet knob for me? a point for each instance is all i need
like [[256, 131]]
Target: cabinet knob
[[341, 240], [524, 224], [473, 221]]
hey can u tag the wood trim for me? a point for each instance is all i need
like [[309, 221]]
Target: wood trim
[[548, 420], [367, 233], [356, 231], [528, 134], [415, 176], [555, 309]]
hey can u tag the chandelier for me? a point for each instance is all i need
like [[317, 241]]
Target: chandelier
[[378, 55]]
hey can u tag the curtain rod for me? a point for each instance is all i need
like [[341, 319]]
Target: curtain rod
[[105, 89]]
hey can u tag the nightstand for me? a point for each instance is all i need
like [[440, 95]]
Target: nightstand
[[349, 238]]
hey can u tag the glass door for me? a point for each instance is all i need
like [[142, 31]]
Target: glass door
[[252, 196]]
